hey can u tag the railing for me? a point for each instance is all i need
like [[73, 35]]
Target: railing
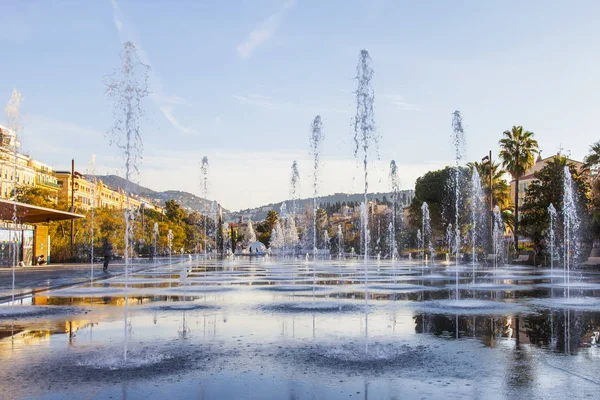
[[49, 184]]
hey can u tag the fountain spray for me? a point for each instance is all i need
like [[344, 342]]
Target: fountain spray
[[570, 226], [14, 124], [458, 140], [340, 242], [294, 188], [92, 176], [315, 140], [477, 211], [204, 182], [170, 246], [155, 233], [427, 242], [552, 213], [498, 236], [365, 134], [127, 88], [395, 181]]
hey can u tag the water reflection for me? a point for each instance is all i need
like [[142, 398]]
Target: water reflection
[[517, 351], [563, 331]]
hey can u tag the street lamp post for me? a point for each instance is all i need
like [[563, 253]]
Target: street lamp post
[[488, 160]]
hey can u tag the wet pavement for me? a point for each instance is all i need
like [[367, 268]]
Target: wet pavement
[[34, 279], [272, 329]]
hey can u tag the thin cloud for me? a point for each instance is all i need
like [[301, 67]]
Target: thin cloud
[[166, 104], [399, 101], [257, 100], [264, 32], [167, 110]]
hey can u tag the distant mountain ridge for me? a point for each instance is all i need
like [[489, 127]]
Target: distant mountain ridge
[[260, 213], [189, 201]]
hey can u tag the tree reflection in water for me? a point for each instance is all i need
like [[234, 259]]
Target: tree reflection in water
[[564, 331]]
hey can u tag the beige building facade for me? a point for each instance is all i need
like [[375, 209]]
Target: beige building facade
[[528, 178], [17, 169], [90, 193]]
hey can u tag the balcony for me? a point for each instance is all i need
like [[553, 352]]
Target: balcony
[[49, 184]]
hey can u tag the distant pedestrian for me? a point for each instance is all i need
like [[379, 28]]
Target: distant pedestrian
[[107, 250]]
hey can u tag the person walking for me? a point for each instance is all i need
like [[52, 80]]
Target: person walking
[[107, 250]]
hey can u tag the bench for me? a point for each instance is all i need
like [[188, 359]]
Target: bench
[[522, 258], [593, 261]]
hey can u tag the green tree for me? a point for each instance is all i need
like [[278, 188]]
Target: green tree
[[518, 148], [271, 220], [501, 189], [596, 209], [591, 162], [546, 190], [436, 189], [322, 219], [591, 167], [174, 212], [36, 196]]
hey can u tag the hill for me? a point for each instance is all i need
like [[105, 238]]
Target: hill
[[260, 213], [189, 201]]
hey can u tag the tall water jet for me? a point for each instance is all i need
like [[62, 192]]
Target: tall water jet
[[477, 214], [214, 216], [170, 237], [420, 245], [326, 249], [277, 240], [204, 183], [127, 88], [294, 187], [570, 227], [365, 133], [283, 215], [291, 234], [92, 177], [13, 117], [364, 217], [226, 240], [395, 183], [458, 140], [294, 192], [427, 241], [392, 247], [340, 242], [391, 239], [552, 214], [155, 234], [250, 234], [449, 238], [498, 237], [315, 139]]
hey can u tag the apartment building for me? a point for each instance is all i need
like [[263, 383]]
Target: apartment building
[[17, 169]]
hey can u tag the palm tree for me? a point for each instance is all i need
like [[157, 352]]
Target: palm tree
[[518, 148], [591, 162], [501, 190]]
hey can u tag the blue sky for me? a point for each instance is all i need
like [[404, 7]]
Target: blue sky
[[241, 81]]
